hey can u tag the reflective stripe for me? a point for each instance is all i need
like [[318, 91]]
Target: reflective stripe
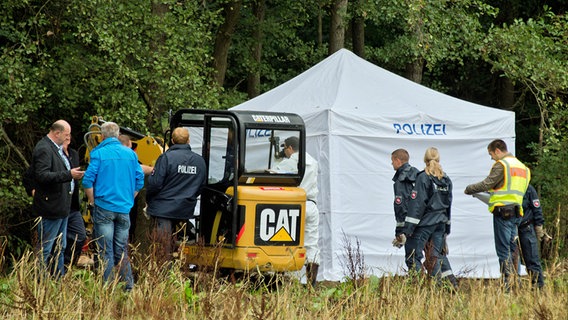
[[412, 220], [509, 192], [400, 224], [447, 273], [449, 222]]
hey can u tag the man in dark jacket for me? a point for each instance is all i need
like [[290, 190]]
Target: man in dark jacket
[[53, 178], [173, 187], [404, 179], [76, 232]]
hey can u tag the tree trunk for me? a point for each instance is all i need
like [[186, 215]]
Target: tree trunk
[[153, 102], [414, 70], [358, 35], [4, 136], [358, 30], [320, 27], [506, 93], [231, 11], [337, 26], [253, 78]]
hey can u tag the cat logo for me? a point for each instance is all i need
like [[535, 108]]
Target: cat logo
[[277, 224]]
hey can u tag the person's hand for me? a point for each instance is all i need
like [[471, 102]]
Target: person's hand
[[395, 243], [76, 173], [399, 240], [445, 249], [539, 232], [146, 215]]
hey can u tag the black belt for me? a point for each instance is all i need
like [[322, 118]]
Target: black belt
[[508, 211], [314, 201]]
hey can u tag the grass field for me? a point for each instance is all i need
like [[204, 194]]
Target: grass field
[[174, 293]]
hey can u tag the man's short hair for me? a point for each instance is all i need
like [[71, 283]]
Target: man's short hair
[[293, 142], [401, 154], [180, 135], [110, 130], [124, 139], [497, 144]]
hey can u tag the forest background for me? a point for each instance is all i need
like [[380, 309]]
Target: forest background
[[133, 61]]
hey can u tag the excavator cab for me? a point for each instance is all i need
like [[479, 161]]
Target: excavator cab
[[250, 216]]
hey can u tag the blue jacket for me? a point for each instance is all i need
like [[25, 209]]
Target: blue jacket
[[430, 203], [175, 183], [115, 175]]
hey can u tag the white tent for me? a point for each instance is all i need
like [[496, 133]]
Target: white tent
[[356, 114]]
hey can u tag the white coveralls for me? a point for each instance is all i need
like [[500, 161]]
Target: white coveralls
[[310, 185]]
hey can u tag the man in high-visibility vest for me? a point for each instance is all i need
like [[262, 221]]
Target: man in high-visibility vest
[[506, 183]]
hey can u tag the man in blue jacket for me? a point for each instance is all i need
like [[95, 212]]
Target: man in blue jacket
[[173, 187], [112, 180]]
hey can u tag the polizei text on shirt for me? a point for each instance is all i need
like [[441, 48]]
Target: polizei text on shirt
[[187, 169]]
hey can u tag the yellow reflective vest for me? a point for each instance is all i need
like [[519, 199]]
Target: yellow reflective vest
[[516, 181]]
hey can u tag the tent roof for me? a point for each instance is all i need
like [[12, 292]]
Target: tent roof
[[346, 83]]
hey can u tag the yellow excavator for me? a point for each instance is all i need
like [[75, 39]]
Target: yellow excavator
[[249, 217]]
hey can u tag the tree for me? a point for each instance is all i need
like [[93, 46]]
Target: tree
[[337, 26], [231, 12], [285, 33], [70, 59], [253, 79], [358, 27], [418, 34]]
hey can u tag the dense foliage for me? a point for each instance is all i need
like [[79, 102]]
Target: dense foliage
[[131, 61]]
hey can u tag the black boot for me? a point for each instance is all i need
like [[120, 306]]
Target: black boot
[[311, 274], [453, 281]]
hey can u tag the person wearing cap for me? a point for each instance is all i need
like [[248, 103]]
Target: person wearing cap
[[309, 184]]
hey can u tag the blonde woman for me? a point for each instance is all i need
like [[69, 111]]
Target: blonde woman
[[428, 217]]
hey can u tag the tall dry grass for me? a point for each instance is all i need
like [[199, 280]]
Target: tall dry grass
[[171, 292]]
